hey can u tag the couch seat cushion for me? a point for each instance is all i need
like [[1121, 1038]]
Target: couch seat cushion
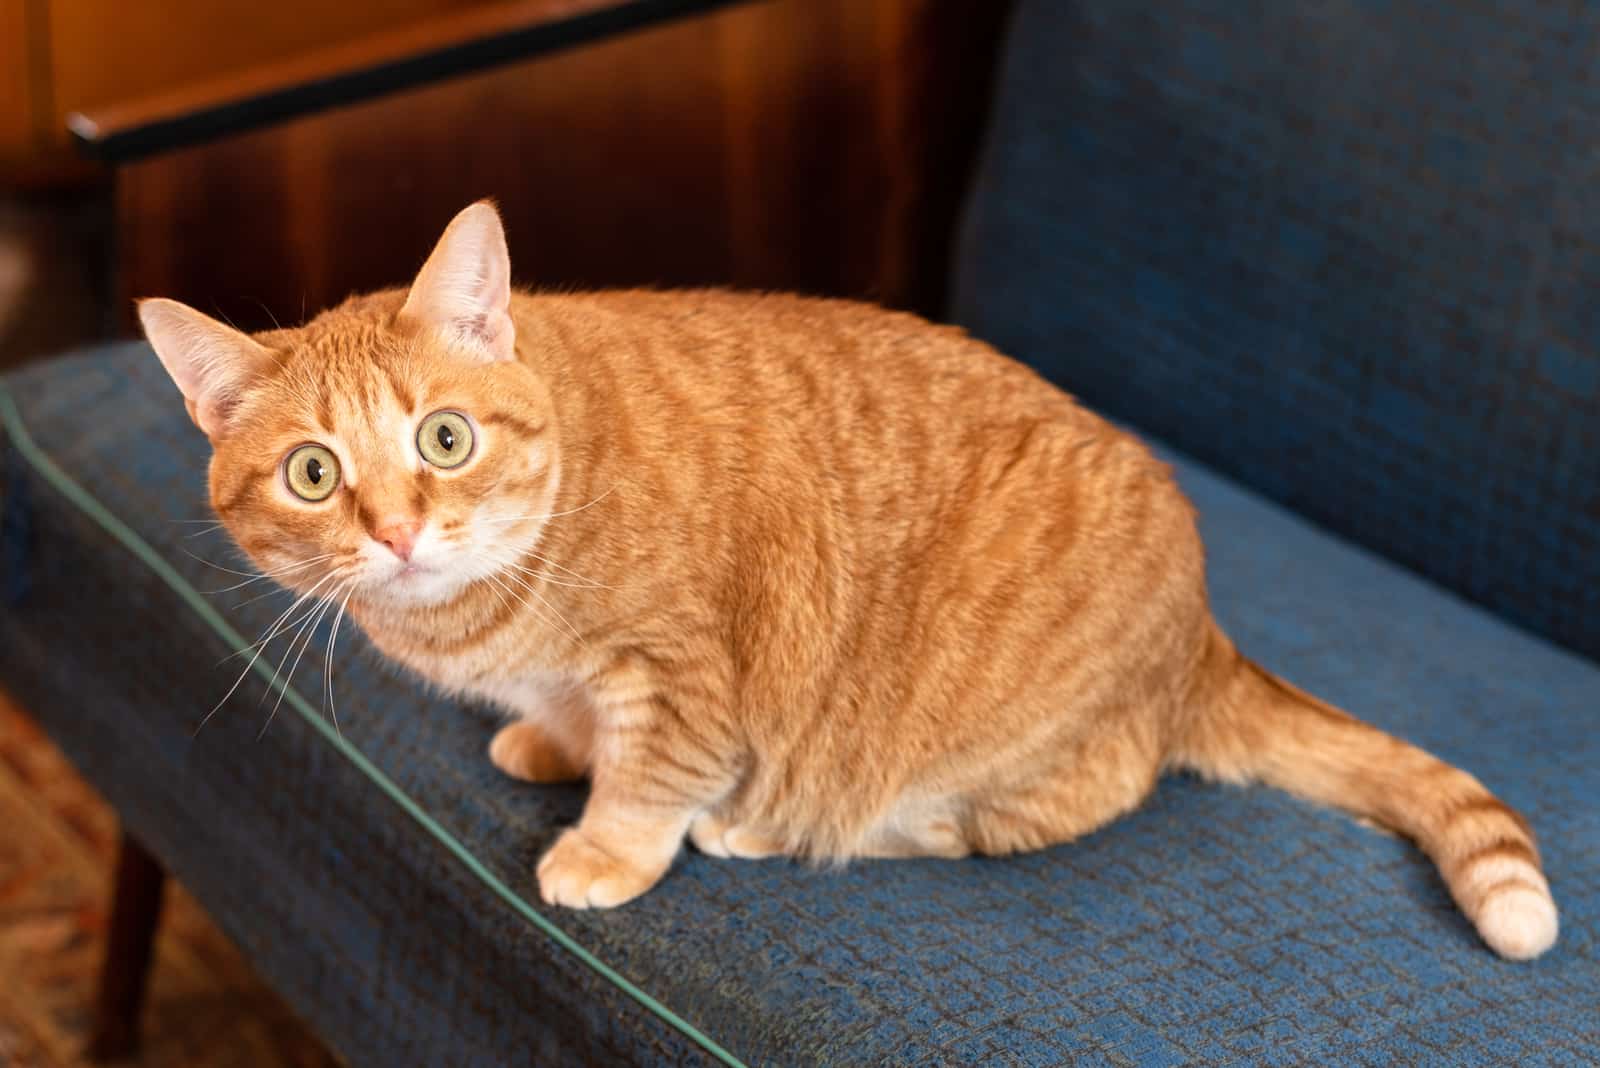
[[383, 879]]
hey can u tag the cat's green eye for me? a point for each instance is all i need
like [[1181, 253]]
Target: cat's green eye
[[312, 473], [445, 439]]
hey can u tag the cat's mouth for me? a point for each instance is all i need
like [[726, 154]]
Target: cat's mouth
[[414, 581]]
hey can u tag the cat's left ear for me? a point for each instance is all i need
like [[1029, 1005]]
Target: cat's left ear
[[463, 292], [213, 365]]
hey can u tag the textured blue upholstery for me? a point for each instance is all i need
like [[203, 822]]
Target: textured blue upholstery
[[1214, 926], [1348, 253]]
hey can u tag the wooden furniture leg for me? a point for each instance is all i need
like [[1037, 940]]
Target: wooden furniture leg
[[135, 909]]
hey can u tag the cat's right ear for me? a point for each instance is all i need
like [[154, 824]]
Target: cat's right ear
[[212, 364], [463, 292]]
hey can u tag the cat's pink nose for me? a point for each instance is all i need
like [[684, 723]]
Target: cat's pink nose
[[400, 536]]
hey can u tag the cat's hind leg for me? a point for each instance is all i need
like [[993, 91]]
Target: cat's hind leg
[[910, 830], [716, 837], [917, 828]]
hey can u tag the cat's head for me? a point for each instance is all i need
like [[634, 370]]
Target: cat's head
[[393, 446]]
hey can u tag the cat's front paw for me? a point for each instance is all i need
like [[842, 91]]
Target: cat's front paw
[[578, 874], [524, 751]]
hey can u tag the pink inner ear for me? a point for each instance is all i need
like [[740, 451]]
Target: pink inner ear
[[464, 290], [212, 364], [210, 416]]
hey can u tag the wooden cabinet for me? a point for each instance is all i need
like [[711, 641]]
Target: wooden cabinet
[[817, 145], [18, 120], [59, 56]]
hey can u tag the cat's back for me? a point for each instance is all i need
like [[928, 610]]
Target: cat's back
[[818, 420], [794, 357]]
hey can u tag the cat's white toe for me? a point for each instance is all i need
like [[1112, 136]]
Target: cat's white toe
[[577, 874]]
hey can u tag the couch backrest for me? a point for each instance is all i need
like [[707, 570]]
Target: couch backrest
[[1347, 252]]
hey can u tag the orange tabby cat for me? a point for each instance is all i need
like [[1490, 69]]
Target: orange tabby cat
[[782, 575]]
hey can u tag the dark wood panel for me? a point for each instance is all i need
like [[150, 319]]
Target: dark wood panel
[[101, 53], [818, 145], [16, 93], [387, 59]]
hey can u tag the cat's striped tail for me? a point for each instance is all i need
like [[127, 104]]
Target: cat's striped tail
[[1253, 726]]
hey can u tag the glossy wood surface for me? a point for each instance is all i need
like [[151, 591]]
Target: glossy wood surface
[[815, 145]]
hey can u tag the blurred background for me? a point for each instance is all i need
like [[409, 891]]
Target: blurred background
[[813, 145]]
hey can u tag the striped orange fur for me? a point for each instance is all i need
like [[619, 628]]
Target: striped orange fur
[[779, 575]]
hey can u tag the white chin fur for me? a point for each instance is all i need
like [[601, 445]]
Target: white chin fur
[[415, 588]]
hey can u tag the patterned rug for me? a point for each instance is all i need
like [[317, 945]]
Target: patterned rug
[[205, 1005]]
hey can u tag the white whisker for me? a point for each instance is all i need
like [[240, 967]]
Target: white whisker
[[565, 622], [219, 567], [499, 581], [279, 573], [555, 581], [277, 626], [232, 571], [545, 576], [327, 674], [271, 627], [273, 592], [551, 515], [498, 584], [277, 630], [309, 620], [494, 588], [311, 632], [514, 561], [548, 562]]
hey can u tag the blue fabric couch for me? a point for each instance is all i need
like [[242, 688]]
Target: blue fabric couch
[[1337, 258]]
